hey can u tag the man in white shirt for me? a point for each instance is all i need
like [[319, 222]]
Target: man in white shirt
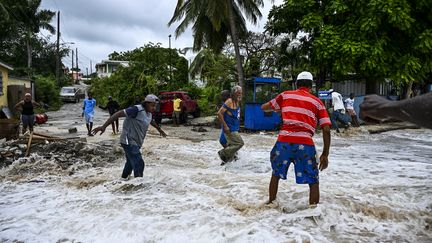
[[338, 113]]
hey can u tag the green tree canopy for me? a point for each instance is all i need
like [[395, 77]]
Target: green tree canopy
[[151, 69], [213, 20], [20, 46], [372, 38]]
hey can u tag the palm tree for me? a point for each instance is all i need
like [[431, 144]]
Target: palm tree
[[203, 58], [214, 20], [32, 20]]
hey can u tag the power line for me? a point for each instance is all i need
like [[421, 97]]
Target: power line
[[88, 58], [61, 20]]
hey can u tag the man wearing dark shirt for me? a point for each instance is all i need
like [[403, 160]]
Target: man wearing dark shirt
[[112, 107]]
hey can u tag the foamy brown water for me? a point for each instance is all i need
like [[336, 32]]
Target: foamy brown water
[[377, 188]]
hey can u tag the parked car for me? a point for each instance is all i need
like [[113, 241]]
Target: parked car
[[71, 94], [189, 106]]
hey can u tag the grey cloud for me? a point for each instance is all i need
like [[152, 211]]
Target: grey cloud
[[100, 27], [144, 14]]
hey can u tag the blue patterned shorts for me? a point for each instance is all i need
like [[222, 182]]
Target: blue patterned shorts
[[302, 156]]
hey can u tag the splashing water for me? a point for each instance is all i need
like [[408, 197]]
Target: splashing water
[[377, 188]]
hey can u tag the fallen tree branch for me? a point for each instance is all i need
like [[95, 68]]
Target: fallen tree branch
[[387, 129], [43, 135]]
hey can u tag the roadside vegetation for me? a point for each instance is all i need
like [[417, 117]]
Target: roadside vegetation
[[31, 54]]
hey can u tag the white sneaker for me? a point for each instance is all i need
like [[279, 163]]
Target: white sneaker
[[125, 179]]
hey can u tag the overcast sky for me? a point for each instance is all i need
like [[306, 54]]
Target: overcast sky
[[99, 27]]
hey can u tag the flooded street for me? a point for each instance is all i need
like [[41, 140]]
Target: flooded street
[[377, 188]]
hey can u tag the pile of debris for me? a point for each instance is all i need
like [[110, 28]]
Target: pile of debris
[[13, 149], [10, 151], [53, 156]]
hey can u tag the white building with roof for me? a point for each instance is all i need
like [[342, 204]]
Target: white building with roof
[[107, 67]]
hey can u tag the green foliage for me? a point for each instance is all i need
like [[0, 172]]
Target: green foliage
[[47, 91], [259, 54], [210, 100], [20, 22], [210, 20], [214, 20], [372, 38], [151, 69], [19, 43]]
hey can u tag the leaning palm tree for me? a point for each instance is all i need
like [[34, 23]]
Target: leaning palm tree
[[214, 20]]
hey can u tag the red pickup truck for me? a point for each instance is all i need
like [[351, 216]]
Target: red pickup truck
[[189, 106]]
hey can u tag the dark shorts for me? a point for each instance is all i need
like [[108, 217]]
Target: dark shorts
[[302, 156], [27, 120], [176, 114]]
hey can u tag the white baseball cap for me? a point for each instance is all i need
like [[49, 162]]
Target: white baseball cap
[[151, 98], [305, 76]]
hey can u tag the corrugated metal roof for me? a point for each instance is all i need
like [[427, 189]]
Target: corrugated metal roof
[[5, 65]]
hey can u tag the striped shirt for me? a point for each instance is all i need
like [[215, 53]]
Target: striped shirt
[[301, 112]]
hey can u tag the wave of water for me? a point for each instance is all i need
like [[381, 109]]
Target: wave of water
[[377, 188]]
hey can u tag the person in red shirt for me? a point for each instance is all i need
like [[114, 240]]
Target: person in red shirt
[[301, 112]]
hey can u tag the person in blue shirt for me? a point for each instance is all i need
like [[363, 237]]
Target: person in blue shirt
[[229, 116], [135, 126], [88, 112]]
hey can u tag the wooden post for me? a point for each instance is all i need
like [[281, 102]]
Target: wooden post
[[28, 144]]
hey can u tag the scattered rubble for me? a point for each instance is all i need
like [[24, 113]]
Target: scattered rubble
[[72, 130], [199, 129], [203, 121], [59, 157]]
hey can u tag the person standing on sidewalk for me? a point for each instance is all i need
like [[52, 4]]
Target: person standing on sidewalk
[[301, 113], [135, 126], [88, 112], [229, 116], [27, 114]]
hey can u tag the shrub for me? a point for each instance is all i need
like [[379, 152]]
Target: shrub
[[47, 91]]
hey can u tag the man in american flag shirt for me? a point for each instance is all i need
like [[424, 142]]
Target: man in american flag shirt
[[301, 113]]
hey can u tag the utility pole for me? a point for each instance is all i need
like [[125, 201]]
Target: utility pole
[[87, 71], [77, 68], [58, 50], [91, 70], [76, 57], [73, 65], [170, 66]]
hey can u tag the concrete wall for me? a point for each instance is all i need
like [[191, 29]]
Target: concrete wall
[[18, 81], [350, 86]]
